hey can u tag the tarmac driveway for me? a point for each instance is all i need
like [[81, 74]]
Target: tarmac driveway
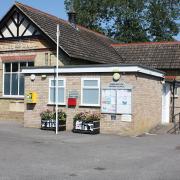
[[32, 154]]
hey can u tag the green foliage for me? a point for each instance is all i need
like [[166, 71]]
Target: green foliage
[[88, 12], [50, 115], [87, 116], [82, 116], [61, 115], [161, 17], [129, 20], [93, 117], [46, 115]]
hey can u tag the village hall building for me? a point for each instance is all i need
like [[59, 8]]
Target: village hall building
[[126, 83]]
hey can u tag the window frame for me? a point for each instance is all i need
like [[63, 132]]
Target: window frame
[[90, 87], [18, 72], [64, 81], [176, 92]]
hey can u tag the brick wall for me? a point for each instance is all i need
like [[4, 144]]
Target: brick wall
[[11, 51], [146, 103]]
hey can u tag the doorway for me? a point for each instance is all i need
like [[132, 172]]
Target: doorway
[[166, 103]]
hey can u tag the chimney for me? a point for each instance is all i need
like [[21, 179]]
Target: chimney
[[72, 16]]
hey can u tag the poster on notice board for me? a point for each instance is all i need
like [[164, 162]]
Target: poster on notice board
[[116, 101], [123, 101], [108, 101]]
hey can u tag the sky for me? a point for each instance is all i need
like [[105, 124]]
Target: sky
[[54, 7]]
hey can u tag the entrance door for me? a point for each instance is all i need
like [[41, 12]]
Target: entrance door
[[166, 103]]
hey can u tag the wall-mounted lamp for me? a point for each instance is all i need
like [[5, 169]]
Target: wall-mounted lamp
[[44, 76], [116, 76], [32, 77], [163, 81]]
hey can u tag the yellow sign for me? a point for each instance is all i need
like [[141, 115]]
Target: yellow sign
[[31, 97]]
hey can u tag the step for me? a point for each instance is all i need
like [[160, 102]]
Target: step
[[162, 128]]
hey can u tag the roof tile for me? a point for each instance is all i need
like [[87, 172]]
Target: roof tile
[[78, 42], [160, 55]]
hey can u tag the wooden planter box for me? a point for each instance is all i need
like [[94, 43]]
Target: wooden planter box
[[51, 125], [87, 127]]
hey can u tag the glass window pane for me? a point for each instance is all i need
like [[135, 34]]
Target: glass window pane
[[14, 67], [21, 85], [60, 83], [14, 89], [91, 83], [60, 95], [30, 64], [52, 95], [7, 67], [90, 96], [53, 82], [22, 64], [7, 84]]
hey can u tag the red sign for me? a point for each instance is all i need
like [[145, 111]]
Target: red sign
[[72, 102]]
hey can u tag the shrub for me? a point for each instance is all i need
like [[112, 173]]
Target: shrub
[[61, 115], [46, 115], [86, 116], [93, 117], [82, 116], [50, 115]]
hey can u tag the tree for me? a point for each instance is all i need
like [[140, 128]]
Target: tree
[[129, 20], [161, 18], [88, 13]]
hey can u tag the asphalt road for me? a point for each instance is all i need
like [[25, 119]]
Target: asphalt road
[[32, 154]]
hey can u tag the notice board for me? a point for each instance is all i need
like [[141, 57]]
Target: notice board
[[108, 101], [123, 101], [116, 101]]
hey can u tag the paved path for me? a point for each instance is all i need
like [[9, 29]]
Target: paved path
[[32, 154]]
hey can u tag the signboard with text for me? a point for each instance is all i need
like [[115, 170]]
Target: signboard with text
[[116, 99], [108, 101], [123, 101]]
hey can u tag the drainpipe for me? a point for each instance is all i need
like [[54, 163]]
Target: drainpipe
[[173, 103]]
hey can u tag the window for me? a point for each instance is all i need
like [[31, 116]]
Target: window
[[176, 91], [14, 79], [90, 91], [61, 91]]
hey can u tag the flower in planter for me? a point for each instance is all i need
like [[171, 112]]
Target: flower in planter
[[87, 116], [86, 121], [93, 117], [61, 115], [46, 115], [82, 116]]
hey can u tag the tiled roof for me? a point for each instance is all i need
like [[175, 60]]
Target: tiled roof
[[159, 55], [79, 43]]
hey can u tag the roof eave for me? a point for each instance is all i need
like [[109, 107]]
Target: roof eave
[[96, 69], [41, 29]]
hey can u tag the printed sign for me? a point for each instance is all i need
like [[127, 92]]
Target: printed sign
[[73, 94], [108, 102], [123, 101], [116, 99]]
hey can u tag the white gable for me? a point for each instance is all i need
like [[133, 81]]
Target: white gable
[[22, 27], [18, 26], [30, 31], [12, 27], [6, 33]]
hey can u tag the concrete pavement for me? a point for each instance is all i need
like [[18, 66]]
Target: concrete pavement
[[32, 154]]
